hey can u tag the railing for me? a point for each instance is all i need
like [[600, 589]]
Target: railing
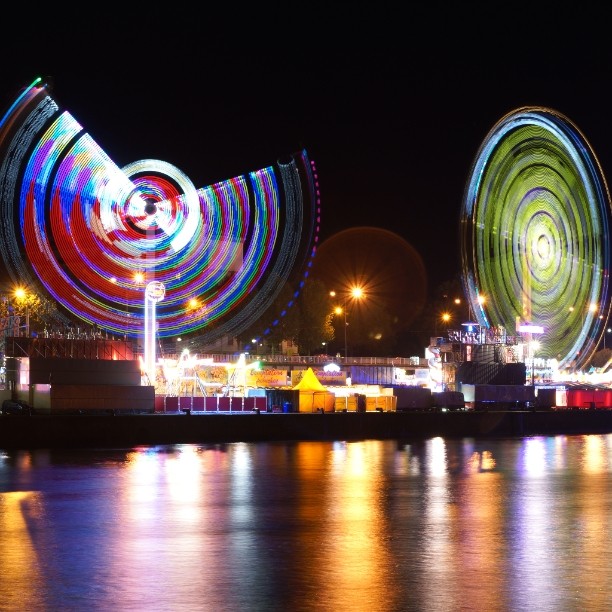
[[120, 349], [21, 346], [314, 360]]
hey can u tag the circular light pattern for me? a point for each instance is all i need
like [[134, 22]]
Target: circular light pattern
[[94, 235], [535, 225], [155, 291]]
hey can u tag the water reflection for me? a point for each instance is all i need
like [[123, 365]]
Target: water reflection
[[436, 525], [20, 564]]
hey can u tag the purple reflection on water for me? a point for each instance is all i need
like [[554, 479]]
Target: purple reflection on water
[[437, 525]]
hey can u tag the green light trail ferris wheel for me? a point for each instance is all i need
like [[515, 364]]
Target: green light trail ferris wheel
[[535, 234]]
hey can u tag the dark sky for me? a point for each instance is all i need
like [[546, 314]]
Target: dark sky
[[391, 103]]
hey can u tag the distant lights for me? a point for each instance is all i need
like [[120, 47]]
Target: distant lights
[[527, 328]]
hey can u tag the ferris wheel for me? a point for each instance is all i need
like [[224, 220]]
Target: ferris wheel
[[94, 235], [535, 234]]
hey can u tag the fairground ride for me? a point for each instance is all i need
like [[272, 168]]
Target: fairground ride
[[535, 235], [140, 249]]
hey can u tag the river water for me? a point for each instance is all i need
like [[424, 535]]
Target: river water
[[513, 524]]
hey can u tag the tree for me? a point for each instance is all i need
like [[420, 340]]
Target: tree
[[601, 359], [24, 313], [316, 329], [304, 319], [279, 322]]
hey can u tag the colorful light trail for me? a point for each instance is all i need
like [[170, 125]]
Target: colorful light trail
[[535, 230], [78, 226]]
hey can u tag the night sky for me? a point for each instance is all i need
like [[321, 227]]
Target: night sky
[[391, 105]]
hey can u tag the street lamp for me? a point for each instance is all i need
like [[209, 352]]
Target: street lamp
[[445, 317], [355, 293], [22, 297]]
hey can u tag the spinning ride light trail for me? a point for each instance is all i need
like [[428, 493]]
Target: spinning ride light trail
[[535, 233], [76, 225]]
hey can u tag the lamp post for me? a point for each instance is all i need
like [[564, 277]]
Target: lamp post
[[342, 310], [21, 296], [355, 293], [345, 332], [446, 318]]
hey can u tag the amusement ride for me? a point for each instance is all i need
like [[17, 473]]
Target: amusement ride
[[139, 251], [534, 226]]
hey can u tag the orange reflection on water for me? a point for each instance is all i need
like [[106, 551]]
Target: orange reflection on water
[[461, 532], [350, 560], [591, 524], [595, 460], [480, 462], [478, 543], [20, 586]]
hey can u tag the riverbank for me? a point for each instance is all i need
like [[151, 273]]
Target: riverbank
[[121, 431]]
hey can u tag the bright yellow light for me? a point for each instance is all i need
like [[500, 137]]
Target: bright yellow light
[[446, 317], [338, 310], [355, 293], [20, 293], [139, 277], [593, 307]]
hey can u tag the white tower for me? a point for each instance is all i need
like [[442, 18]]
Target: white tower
[[155, 292]]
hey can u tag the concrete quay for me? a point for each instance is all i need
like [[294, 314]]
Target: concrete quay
[[129, 430]]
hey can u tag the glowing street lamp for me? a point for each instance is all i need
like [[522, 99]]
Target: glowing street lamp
[[355, 293], [445, 317], [22, 297]]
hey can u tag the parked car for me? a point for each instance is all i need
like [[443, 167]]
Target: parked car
[[16, 407]]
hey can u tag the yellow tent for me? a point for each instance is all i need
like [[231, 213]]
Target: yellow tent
[[309, 382]]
